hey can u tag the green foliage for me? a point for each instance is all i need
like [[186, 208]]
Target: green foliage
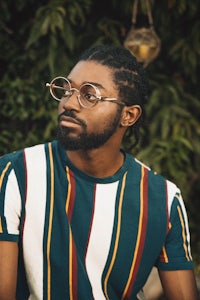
[[42, 39]]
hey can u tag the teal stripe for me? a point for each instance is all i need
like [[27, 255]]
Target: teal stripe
[[84, 201], [46, 224], [9, 238]]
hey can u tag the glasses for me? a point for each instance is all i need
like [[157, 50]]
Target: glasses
[[88, 94]]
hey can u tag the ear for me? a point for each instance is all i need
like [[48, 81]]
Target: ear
[[130, 115]]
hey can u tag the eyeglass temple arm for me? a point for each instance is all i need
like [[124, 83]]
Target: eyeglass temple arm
[[54, 86], [112, 100]]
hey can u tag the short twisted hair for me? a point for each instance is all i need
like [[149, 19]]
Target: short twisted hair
[[128, 76]]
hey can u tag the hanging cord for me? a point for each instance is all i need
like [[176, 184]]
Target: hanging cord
[[135, 9], [134, 14]]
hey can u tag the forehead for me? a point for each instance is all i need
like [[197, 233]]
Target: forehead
[[91, 71]]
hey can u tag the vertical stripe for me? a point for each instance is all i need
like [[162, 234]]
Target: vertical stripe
[[72, 268], [35, 160], [141, 234], [163, 255], [74, 271], [70, 265], [183, 233], [25, 192], [1, 229], [101, 234], [91, 219], [12, 200], [117, 237], [4, 172], [186, 224], [167, 210], [171, 192], [71, 194], [72, 249], [50, 223], [69, 190]]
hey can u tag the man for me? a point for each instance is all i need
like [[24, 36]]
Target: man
[[82, 219]]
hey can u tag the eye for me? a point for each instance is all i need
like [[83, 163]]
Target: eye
[[88, 93], [89, 96]]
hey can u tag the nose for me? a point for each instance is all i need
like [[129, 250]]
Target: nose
[[71, 102]]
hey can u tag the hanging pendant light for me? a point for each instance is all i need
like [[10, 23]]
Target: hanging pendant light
[[143, 42]]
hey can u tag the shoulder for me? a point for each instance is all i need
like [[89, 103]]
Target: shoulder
[[152, 176], [8, 161], [157, 183], [19, 159]]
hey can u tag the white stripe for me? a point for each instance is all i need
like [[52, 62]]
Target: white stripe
[[172, 191], [142, 164], [35, 216], [186, 224], [13, 204], [101, 234]]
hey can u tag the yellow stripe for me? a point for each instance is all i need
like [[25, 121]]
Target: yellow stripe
[[70, 238], [138, 236], [1, 229], [117, 237], [169, 225], [183, 233], [69, 190], [165, 255], [70, 265], [50, 223], [4, 172]]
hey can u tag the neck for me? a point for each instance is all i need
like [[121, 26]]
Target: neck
[[97, 162]]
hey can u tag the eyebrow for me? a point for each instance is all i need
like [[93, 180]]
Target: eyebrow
[[91, 82]]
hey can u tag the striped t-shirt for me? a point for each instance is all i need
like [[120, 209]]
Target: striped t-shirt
[[82, 237]]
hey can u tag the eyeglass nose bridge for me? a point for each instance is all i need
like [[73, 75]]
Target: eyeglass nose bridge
[[72, 91]]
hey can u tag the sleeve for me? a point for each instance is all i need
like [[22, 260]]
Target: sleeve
[[10, 202], [176, 252]]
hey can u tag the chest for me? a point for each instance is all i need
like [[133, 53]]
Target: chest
[[102, 233]]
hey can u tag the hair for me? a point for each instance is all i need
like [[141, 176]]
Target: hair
[[128, 76]]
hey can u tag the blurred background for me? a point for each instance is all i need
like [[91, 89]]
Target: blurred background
[[43, 39]]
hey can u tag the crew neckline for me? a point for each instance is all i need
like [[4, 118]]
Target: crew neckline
[[115, 177]]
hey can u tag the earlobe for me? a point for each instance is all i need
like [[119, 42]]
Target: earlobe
[[130, 115]]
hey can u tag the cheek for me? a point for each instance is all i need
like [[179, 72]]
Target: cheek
[[103, 118], [60, 108]]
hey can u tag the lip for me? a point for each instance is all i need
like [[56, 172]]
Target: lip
[[66, 121]]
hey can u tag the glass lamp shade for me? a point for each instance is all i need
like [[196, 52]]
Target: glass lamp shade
[[143, 43]]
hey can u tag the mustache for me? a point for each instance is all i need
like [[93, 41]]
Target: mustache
[[71, 114]]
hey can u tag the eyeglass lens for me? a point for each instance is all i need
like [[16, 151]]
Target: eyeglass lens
[[87, 97], [60, 87]]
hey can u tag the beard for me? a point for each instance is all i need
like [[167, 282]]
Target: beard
[[86, 141]]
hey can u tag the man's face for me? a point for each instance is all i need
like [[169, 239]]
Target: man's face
[[82, 128]]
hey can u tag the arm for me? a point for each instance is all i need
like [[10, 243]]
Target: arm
[[8, 270], [179, 284], [175, 263]]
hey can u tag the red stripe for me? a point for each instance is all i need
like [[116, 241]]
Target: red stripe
[[143, 232], [74, 271], [72, 196]]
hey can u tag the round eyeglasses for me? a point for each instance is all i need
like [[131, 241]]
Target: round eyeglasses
[[88, 94]]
